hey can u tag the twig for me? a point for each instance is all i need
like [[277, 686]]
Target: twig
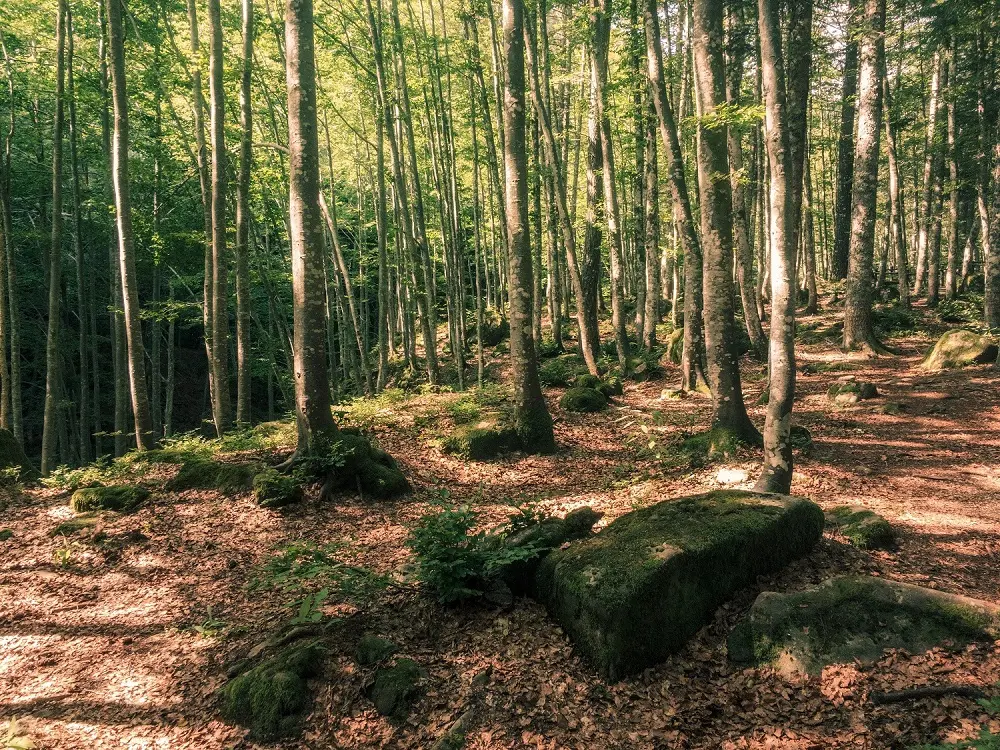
[[932, 691]]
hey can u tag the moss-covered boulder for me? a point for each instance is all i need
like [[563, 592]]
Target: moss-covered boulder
[[272, 489], [960, 348], [560, 371], [848, 392], [675, 346], [587, 400], [495, 328], [209, 474], [545, 536], [124, 498], [482, 440], [395, 688], [372, 650], [12, 456], [610, 387], [863, 528], [637, 591], [704, 447], [855, 617], [271, 698], [82, 522]]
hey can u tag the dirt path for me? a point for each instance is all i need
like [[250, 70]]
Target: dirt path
[[119, 646]]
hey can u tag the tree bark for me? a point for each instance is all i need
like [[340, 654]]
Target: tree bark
[[242, 250], [930, 175], [845, 150], [897, 216]]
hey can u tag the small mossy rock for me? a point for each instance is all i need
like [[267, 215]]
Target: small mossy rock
[[634, 593], [71, 526], [12, 456], [124, 498], [272, 489], [848, 392], [208, 474], [855, 618], [6, 534], [495, 328], [544, 537], [395, 688], [610, 387], [863, 528], [373, 650], [675, 346], [801, 439], [271, 698], [586, 400], [958, 348], [485, 439]]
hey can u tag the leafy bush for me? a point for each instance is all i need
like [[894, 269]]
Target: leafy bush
[[891, 320], [454, 562], [464, 410]]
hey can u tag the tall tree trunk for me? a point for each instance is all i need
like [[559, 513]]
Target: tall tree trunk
[[12, 306], [951, 269], [532, 420], [243, 412], [651, 225], [728, 410], [144, 436], [858, 329], [314, 418], [809, 239], [846, 149], [222, 406], [897, 216], [51, 419], [930, 176]]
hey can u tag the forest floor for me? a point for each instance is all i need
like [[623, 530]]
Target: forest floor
[[123, 644]]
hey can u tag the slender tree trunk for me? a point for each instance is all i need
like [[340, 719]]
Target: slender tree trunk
[[809, 239], [951, 269], [930, 175], [728, 410], [12, 305], [243, 409], [533, 423], [858, 329], [897, 216], [651, 224], [846, 149], [6, 261], [51, 419], [144, 436]]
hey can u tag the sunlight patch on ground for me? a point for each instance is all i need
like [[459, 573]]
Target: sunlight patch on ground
[[947, 520]]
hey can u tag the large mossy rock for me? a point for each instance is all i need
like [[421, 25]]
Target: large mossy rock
[[863, 528], [395, 688], [960, 348], [855, 618], [271, 698], [586, 400], [123, 498], [633, 594], [208, 474], [485, 439], [610, 387], [272, 489], [12, 456]]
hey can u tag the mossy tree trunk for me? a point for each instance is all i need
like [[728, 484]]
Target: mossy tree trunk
[[533, 423], [728, 409]]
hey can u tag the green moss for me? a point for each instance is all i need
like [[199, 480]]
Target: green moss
[[355, 463], [560, 371], [124, 498], [960, 348], [855, 618], [675, 346], [208, 474], [801, 439], [271, 489], [583, 400], [371, 650], [6, 534], [711, 445], [847, 392], [634, 593], [73, 525], [270, 698], [486, 439], [395, 688], [611, 386], [893, 408], [863, 528]]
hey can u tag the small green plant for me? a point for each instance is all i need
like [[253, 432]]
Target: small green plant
[[211, 626], [455, 562], [464, 410], [64, 554], [311, 608]]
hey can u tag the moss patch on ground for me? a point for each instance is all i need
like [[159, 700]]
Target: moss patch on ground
[[73, 525], [480, 441], [272, 489], [847, 392], [863, 528], [960, 348], [636, 592], [561, 371], [395, 688], [208, 474], [586, 400], [855, 618], [271, 698], [610, 387], [123, 498]]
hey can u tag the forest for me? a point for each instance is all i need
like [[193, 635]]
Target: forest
[[500, 374]]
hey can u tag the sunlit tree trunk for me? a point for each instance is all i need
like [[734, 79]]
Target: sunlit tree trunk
[[897, 216], [651, 225], [845, 149], [12, 306], [243, 414], [951, 268], [144, 436], [532, 420], [930, 174]]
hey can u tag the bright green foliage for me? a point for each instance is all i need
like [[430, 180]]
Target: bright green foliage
[[863, 528], [586, 400], [272, 489], [857, 617], [209, 474], [270, 698], [454, 562], [960, 348], [395, 688], [124, 498], [637, 591]]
